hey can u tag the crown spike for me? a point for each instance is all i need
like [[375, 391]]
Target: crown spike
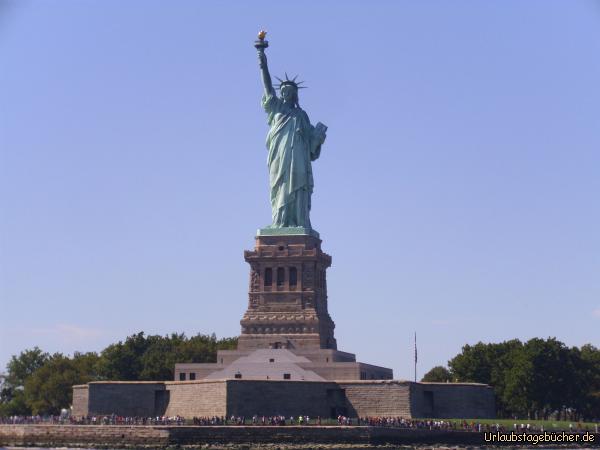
[[290, 82]]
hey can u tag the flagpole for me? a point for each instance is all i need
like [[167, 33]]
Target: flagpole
[[415, 356]]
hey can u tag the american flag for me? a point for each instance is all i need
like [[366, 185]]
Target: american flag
[[415, 347]]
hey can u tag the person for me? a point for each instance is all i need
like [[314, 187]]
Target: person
[[292, 143]]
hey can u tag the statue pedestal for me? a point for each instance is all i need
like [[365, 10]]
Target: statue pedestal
[[287, 333], [287, 305]]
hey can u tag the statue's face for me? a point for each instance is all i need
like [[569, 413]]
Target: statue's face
[[288, 93]]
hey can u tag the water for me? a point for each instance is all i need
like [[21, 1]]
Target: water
[[429, 447]]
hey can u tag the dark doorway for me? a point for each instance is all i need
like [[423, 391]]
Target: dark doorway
[[161, 401], [337, 402], [428, 404]]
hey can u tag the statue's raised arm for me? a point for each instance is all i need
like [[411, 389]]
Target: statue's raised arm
[[261, 45]]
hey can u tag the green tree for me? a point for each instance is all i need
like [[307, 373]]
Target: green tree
[[203, 348], [89, 364], [544, 377], [38, 383], [21, 367], [18, 370], [158, 361], [488, 364], [122, 361], [588, 369], [15, 406], [483, 363], [153, 357], [50, 388], [12, 400], [438, 374], [553, 380], [472, 364], [514, 398], [536, 379]]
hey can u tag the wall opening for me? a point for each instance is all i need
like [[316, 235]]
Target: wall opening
[[280, 276], [268, 276], [336, 398], [161, 401], [428, 404]]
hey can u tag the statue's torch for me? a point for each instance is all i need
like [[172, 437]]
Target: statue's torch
[[261, 44]]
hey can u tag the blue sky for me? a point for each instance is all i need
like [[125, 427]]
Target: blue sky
[[457, 191]]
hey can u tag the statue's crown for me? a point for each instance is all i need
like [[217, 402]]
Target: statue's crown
[[288, 82]]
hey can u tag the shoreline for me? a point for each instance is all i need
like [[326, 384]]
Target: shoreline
[[251, 437]]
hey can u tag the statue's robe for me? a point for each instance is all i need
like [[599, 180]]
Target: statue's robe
[[292, 145]]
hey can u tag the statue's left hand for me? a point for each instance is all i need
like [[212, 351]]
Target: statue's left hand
[[320, 133], [321, 137]]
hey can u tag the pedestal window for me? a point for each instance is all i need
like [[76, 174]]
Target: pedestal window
[[293, 278]]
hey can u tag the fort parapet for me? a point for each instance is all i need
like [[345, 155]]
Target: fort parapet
[[352, 398]]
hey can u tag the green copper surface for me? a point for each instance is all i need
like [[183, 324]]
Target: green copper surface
[[293, 143], [287, 231]]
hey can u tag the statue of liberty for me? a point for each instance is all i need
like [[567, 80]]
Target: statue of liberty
[[292, 143]]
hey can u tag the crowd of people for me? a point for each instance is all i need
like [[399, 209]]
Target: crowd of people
[[93, 420], [257, 420], [32, 420], [422, 424], [279, 420], [461, 425]]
